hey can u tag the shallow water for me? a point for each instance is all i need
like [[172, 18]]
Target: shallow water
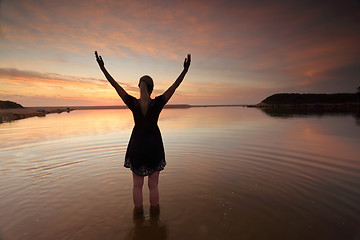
[[232, 173]]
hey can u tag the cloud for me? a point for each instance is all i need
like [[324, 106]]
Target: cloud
[[52, 78], [16, 82], [33, 77], [160, 29], [114, 26], [262, 44]]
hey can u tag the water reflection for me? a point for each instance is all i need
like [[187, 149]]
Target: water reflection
[[232, 173], [147, 227], [283, 112]]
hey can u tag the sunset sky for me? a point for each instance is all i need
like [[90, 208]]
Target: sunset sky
[[242, 51]]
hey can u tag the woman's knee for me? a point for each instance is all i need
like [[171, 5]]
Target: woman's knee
[[152, 185], [153, 180], [138, 181]]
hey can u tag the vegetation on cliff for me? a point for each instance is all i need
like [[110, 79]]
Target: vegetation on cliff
[[9, 104], [297, 98]]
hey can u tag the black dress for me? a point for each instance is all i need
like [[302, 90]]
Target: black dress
[[145, 151]]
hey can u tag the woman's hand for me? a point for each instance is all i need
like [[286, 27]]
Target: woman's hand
[[187, 62], [99, 60]]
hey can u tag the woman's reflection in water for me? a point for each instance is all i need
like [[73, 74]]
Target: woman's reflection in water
[[148, 228]]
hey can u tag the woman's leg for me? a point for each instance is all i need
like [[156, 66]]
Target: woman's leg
[[153, 188], [138, 182]]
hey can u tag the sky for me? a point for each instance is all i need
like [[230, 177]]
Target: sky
[[242, 51]]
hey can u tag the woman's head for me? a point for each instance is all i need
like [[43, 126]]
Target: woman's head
[[149, 83]]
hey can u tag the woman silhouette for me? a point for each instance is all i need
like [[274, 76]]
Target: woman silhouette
[[145, 152]]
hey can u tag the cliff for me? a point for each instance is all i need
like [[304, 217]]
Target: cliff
[[297, 98], [9, 104]]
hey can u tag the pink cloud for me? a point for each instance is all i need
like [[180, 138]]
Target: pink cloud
[[16, 82], [278, 44]]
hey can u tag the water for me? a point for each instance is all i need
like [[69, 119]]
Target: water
[[232, 173]]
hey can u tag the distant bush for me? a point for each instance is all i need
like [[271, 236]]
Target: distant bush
[[9, 104], [297, 98]]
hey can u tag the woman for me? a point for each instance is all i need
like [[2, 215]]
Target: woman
[[145, 153]]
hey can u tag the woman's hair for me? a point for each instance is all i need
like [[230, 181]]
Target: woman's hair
[[149, 83]]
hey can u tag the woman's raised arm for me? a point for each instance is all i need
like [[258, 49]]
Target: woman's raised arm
[[122, 93], [168, 93]]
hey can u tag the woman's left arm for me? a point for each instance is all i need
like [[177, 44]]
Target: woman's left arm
[[168, 93]]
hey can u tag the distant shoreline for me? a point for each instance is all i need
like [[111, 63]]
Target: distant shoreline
[[294, 99], [283, 102], [176, 106], [11, 114], [309, 102]]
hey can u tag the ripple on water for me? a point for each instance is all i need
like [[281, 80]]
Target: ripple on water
[[233, 176], [266, 177]]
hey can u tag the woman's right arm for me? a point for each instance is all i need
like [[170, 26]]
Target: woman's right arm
[[122, 93]]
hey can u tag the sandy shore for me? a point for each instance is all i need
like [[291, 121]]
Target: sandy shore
[[7, 115]]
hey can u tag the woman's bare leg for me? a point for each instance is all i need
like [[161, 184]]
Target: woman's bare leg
[[138, 182], [153, 188]]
